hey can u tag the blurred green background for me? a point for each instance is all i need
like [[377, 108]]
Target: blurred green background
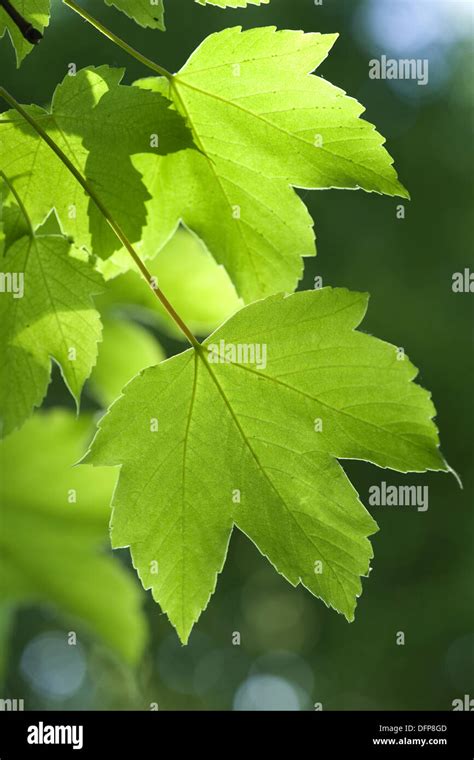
[[293, 651]]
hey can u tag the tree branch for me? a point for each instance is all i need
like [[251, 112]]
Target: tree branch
[[32, 35]]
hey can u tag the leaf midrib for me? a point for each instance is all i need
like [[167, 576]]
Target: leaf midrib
[[327, 406], [268, 479]]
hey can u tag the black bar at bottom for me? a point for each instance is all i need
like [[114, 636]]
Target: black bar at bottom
[[130, 734]]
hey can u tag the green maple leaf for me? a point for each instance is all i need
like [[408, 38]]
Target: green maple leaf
[[262, 124], [42, 180], [47, 313], [206, 444], [51, 547]]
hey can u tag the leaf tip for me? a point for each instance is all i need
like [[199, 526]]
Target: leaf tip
[[403, 192], [451, 471]]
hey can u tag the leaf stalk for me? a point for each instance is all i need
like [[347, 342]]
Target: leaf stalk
[[118, 41]]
